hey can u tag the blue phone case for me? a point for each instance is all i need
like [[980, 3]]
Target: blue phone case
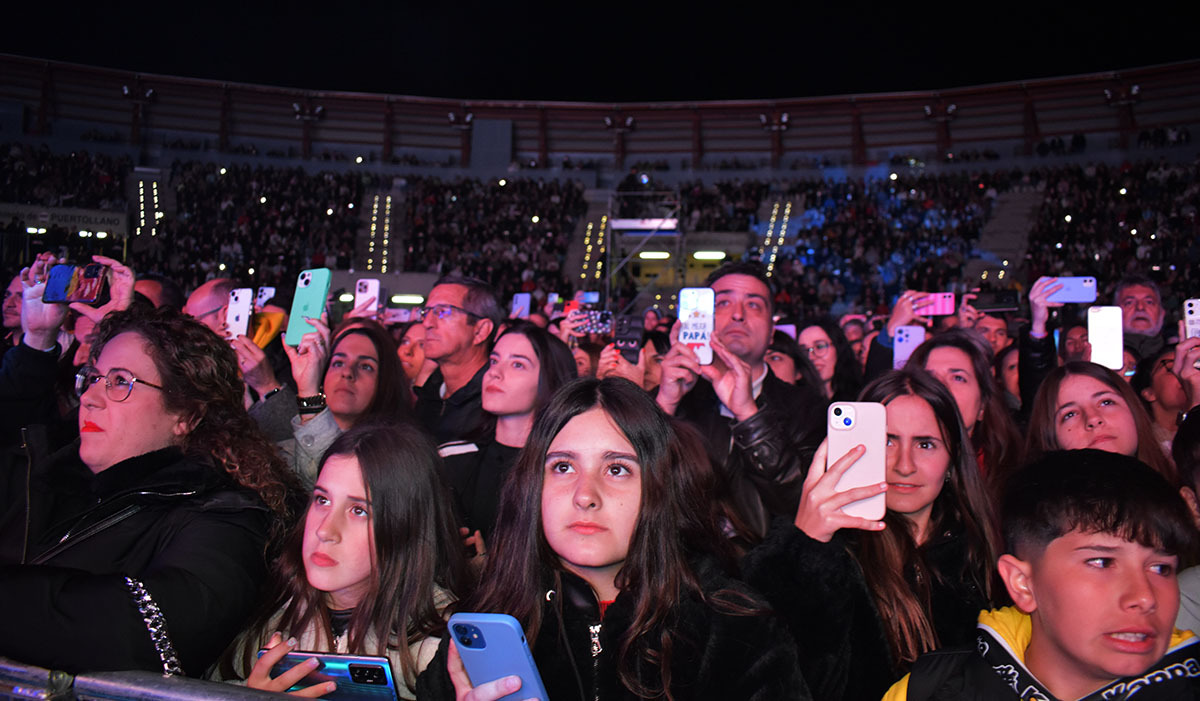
[[1076, 290], [358, 677], [312, 288], [492, 645]]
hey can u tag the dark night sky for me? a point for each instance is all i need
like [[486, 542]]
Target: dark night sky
[[605, 52]]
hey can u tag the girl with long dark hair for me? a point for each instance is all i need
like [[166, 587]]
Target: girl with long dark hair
[[601, 553], [865, 598], [832, 356], [369, 570]]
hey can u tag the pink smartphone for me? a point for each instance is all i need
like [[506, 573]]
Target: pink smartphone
[[851, 424], [1191, 318], [936, 304]]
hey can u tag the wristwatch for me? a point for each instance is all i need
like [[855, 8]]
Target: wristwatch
[[311, 405]]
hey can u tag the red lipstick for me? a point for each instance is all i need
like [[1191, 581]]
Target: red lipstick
[[89, 427]]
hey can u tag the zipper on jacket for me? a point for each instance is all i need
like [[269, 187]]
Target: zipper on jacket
[[71, 538], [594, 632]]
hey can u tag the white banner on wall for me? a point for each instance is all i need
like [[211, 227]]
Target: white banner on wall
[[69, 218]]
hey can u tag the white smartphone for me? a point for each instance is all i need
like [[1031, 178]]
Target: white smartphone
[[1191, 318], [696, 321], [365, 289], [1106, 336], [851, 424], [906, 341], [265, 294], [520, 305], [237, 318]]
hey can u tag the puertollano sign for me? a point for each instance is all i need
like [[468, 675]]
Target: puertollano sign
[[69, 218]]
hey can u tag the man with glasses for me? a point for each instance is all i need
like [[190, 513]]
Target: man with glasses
[[460, 317], [761, 431], [208, 303]]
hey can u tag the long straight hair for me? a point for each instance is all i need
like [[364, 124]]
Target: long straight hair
[[1043, 437], [847, 377], [962, 503], [392, 399], [996, 434], [673, 521], [417, 549]]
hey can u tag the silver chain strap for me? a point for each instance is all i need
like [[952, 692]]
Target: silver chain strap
[[156, 624]]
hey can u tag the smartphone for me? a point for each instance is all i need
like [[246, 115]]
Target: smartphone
[[1191, 318], [997, 301], [906, 341], [397, 316], [569, 307], [598, 321], [789, 329], [552, 300], [628, 336], [696, 321], [358, 677], [73, 283], [520, 305], [590, 297], [265, 294], [312, 288], [1076, 290], [237, 317], [365, 289], [851, 424], [936, 304], [492, 645], [1106, 336]]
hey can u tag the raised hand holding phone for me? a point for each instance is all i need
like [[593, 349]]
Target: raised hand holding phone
[[820, 514]]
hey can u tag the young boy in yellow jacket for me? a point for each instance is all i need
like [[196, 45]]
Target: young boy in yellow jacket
[[1093, 542]]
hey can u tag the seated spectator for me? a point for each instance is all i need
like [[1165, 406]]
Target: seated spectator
[[371, 568], [605, 554], [1083, 405], [865, 598], [1093, 544], [143, 544]]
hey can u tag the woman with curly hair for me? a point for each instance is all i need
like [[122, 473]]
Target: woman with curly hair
[[143, 542]]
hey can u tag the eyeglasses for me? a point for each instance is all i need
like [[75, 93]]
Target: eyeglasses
[[819, 349], [443, 312], [118, 383]]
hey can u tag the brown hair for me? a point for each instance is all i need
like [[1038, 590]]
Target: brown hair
[[201, 382], [1043, 437]]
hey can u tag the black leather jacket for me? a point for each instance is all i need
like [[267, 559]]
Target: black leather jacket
[[762, 460], [87, 560]]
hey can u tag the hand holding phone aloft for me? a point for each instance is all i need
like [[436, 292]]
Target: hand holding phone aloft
[[820, 514]]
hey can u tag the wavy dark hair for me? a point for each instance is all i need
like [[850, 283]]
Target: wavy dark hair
[[847, 377], [995, 433], [675, 520], [417, 548], [392, 398], [1043, 437], [962, 506], [201, 382]]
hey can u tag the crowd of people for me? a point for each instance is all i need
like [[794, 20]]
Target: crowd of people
[[37, 175], [513, 233], [661, 525]]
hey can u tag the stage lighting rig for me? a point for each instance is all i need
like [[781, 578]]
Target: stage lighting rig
[[461, 122], [619, 125], [307, 112], [769, 124]]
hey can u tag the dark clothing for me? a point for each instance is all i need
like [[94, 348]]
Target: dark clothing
[[457, 416], [822, 593], [1145, 345], [1036, 357], [762, 460], [475, 472], [74, 555], [716, 655], [27, 382]]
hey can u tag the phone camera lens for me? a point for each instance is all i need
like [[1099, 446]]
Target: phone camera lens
[[837, 412], [465, 640], [846, 421]]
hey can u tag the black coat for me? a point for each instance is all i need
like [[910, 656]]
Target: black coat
[[458, 416], [762, 460], [820, 590], [717, 655], [178, 527]]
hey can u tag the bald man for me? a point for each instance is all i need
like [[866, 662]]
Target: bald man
[[208, 303]]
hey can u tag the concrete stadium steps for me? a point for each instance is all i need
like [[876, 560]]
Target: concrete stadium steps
[[379, 246], [597, 211], [1005, 236]]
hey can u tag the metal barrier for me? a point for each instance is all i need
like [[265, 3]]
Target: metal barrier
[[22, 681]]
